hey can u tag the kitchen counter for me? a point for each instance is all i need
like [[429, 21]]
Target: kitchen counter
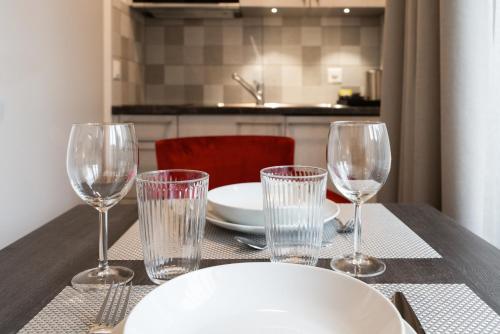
[[247, 109]]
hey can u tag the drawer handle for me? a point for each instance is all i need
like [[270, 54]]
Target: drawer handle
[[307, 123], [259, 123]]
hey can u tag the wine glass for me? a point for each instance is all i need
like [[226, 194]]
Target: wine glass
[[359, 160], [101, 163]]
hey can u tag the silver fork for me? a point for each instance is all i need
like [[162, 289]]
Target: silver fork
[[112, 310]]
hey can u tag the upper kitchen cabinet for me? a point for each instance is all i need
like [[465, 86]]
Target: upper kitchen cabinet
[[348, 3], [313, 3], [275, 3]]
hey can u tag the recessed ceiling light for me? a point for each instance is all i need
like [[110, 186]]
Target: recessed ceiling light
[[347, 10], [274, 10]]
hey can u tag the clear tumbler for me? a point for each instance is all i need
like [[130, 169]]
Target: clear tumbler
[[172, 206], [293, 202]]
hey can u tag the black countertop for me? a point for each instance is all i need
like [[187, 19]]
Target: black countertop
[[286, 110]]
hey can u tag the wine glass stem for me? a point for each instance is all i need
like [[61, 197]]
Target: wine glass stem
[[357, 228], [103, 239]]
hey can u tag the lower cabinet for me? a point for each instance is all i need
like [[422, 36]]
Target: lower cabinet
[[148, 129], [310, 132]]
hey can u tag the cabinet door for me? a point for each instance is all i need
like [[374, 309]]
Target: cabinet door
[[220, 125], [148, 129], [348, 3], [312, 3], [275, 3], [311, 138]]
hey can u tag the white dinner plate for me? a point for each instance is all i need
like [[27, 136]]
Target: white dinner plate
[[330, 211], [221, 222], [275, 298], [241, 203], [408, 329], [119, 328]]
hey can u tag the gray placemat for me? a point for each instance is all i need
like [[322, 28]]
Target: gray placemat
[[384, 236], [441, 308]]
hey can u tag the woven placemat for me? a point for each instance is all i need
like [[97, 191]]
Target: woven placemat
[[441, 308], [384, 236]]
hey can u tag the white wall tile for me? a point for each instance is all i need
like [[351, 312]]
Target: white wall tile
[[291, 55], [311, 36], [213, 94], [291, 75], [330, 55], [350, 55], [252, 73], [291, 94]]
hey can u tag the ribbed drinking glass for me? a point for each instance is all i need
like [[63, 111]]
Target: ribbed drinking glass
[[293, 202], [172, 206]]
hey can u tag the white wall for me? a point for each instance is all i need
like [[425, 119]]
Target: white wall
[[51, 75]]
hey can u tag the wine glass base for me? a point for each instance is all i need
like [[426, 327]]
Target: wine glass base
[[359, 265], [99, 279]]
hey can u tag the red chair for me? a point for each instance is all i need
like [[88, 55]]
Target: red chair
[[336, 197], [228, 159]]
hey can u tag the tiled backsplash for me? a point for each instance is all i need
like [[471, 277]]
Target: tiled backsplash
[[128, 50], [191, 61]]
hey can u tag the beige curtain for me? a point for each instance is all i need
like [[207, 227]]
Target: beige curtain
[[440, 100]]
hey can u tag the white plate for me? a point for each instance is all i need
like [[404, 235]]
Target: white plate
[[275, 298], [330, 211], [408, 329], [119, 328], [219, 221], [241, 203]]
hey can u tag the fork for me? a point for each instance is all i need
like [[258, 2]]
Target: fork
[[112, 309]]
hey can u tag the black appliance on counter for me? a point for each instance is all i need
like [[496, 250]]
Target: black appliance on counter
[[188, 1], [356, 100]]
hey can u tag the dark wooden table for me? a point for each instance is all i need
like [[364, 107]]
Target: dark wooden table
[[37, 267]]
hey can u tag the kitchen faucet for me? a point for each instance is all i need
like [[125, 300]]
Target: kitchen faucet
[[257, 91]]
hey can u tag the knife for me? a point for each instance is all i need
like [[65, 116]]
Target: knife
[[399, 300]]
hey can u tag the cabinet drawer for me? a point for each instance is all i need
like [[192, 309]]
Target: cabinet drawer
[[215, 125], [150, 128]]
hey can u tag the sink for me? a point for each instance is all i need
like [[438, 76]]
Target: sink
[[276, 105]]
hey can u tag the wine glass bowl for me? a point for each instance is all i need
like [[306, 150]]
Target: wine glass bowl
[[359, 161], [101, 164], [102, 192]]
